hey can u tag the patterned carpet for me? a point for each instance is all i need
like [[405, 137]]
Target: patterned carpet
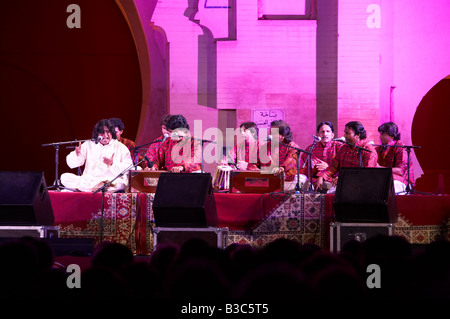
[[117, 224], [421, 234], [299, 217], [128, 219]]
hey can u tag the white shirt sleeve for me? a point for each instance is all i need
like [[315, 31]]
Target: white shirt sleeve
[[76, 161]]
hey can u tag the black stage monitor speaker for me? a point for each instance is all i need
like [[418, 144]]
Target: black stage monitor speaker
[[185, 200], [365, 195], [24, 199]]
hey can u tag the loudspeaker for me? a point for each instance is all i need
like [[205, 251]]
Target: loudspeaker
[[185, 200], [24, 199], [365, 195]]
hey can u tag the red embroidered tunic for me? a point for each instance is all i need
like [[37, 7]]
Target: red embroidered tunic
[[172, 153], [325, 153], [152, 151], [247, 152], [284, 156], [347, 156], [396, 157]]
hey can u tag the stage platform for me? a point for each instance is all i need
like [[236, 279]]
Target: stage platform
[[253, 219]]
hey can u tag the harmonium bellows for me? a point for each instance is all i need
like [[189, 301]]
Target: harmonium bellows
[[143, 181], [255, 182]]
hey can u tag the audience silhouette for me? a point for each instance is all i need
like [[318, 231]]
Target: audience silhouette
[[281, 270]]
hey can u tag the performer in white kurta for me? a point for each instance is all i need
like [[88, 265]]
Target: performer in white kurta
[[104, 158]]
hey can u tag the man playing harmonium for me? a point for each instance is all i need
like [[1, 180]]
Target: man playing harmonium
[[180, 152], [245, 154], [282, 155]]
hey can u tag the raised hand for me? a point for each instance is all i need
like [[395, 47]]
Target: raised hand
[[78, 149], [108, 161]]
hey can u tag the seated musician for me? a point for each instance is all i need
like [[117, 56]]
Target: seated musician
[[392, 154], [323, 151], [104, 158], [180, 152], [245, 154], [119, 127], [347, 155], [283, 158]]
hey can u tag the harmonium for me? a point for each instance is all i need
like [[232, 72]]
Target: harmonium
[[245, 182], [141, 181]]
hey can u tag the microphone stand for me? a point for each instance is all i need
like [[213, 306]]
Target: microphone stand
[[409, 189], [298, 150], [359, 149], [310, 168], [137, 149], [103, 190], [57, 186]]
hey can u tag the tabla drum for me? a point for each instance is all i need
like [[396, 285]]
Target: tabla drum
[[221, 180]]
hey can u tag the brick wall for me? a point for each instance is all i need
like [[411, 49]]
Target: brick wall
[[270, 63]]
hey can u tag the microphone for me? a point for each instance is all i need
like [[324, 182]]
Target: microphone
[[149, 162], [339, 139], [317, 138], [269, 138], [96, 140], [166, 136]]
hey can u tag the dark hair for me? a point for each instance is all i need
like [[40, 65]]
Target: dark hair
[[116, 122], [325, 123], [391, 129], [251, 125], [99, 128], [164, 119], [177, 121], [358, 128], [284, 129]]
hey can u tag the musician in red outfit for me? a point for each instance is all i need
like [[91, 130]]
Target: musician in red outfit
[[391, 153], [245, 154], [323, 151], [348, 155], [180, 152], [283, 159], [152, 150]]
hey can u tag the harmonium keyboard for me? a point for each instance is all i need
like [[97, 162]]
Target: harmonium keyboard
[[141, 181], [255, 182]]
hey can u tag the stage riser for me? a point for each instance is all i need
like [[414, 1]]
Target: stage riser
[[78, 247], [215, 237]]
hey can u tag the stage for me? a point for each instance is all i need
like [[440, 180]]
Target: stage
[[251, 218]]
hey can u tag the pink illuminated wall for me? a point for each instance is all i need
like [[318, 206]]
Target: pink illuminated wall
[[215, 61], [370, 60], [228, 59], [421, 38], [358, 66]]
